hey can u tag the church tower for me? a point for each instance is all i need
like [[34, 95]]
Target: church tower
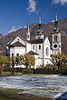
[[56, 39], [28, 32], [39, 34]]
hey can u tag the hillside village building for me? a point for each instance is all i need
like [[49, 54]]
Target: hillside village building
[[40, 47]]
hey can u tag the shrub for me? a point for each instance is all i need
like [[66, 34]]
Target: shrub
[[30, 71], [7, 69], [18, 70], [46, 70]]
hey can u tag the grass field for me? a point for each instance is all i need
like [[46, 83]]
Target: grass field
[[12, 94]]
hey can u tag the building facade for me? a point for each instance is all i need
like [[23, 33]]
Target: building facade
[[56, 39], [40, 47]]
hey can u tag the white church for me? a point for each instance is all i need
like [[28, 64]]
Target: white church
[[40, 47]]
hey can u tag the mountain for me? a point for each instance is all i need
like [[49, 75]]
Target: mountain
[[47, 30]]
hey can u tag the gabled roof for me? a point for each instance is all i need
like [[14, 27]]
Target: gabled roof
[[14, 38], [32, 53], [21, 37], [9, 42], [17, 44]]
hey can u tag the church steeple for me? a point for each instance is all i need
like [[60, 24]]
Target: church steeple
[[56, 38], [39, 31], [56, 29], [28, 31], [39, 34]]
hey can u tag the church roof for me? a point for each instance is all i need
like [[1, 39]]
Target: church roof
[[32, 53], [17, 44], [8, 44], [36, 41]]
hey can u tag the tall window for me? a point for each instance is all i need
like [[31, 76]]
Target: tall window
[[33, 47], [55, 38], [47, 51], [27, 36], [39, 46], [17, 59]]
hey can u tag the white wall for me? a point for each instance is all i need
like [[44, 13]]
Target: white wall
[[47, 57], [37, 50], [15, 50], [34, 49], [38, 61], [20, 66], [28, 47], [58, 42], [42, 52]]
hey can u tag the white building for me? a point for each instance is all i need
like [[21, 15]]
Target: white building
[[39, 48]]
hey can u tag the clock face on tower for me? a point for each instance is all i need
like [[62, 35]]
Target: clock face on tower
[[55, 46]]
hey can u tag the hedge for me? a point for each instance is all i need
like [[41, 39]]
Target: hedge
[[45, 70]]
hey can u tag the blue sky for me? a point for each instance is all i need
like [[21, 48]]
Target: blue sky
[[14, 13]]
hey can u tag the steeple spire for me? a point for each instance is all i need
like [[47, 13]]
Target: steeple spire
[[28, 26], [39, 19], [56, 21], [56, 17], [28, 31]]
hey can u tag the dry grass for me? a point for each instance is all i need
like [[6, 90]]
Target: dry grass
[[11, 94]]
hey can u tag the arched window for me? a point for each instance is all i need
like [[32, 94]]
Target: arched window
[[55, 38], [12, 54], [12, 58], [27, 36], [47, 51], [17, 54], [33, 47], [39, 46]]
